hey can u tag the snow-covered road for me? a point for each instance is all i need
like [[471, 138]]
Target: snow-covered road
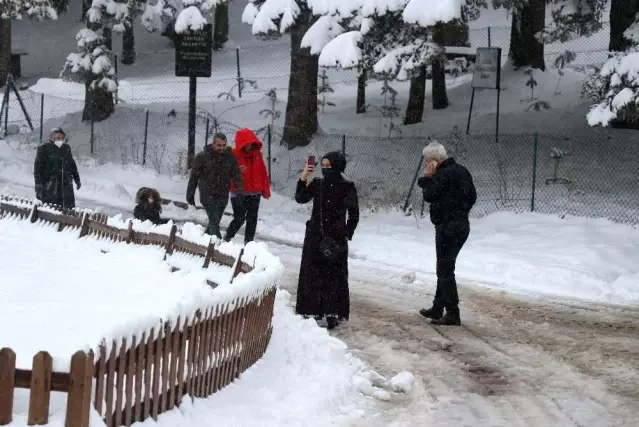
[[515, 361]]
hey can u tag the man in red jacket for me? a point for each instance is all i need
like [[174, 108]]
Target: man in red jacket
[[248, 151]]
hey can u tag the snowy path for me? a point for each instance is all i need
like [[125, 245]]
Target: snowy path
[[515, 362]]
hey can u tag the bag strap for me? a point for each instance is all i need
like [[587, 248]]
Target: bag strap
[[321, 206]]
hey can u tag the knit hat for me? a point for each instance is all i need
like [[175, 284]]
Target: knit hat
[[337, 159], [56, 130]]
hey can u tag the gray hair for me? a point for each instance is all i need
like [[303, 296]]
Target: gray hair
[[435, 151]]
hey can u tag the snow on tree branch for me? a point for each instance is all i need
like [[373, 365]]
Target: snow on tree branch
[[189, 19], [92, 63], [616, 90], [35, 9], [343, 51], [325, 29]]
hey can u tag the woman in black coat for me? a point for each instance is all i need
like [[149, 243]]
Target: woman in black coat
[[322, 290], [54, 171]]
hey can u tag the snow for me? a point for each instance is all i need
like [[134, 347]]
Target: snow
[[342, 51], [130, 273], [428, 12], [321, 32], [189, 19], [403, 382]]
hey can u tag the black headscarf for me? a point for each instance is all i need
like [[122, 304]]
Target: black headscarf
[[337, 159]]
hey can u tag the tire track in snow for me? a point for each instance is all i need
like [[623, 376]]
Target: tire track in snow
[[508, 368]]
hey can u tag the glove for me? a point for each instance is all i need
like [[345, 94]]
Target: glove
[[78, 184], [39, 190]]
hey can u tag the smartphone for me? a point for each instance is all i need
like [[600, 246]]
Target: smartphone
[[310, 160]]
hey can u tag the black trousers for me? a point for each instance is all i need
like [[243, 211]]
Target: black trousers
[[245, 212], [215, 210], [449, 239]]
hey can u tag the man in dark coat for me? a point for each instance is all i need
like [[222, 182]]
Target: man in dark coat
[[322, 288], [449, 188], [212, 172], [54, 171]]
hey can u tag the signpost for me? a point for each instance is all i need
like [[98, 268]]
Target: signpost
[[193, 59], [487, 75]]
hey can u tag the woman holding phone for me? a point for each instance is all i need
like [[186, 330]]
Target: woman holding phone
[[322, 289]]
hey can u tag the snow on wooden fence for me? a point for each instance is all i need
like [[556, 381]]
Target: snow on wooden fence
[[141, 376]]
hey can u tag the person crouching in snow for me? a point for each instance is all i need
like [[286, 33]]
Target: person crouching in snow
[[248, 151], [148, 206]]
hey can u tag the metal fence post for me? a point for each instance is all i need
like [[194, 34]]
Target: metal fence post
[[41, 116], [489, 37], [239, 74], [146, 137], [206, 133], [344, 145], [534, 173], [269, 139], [412, 184]]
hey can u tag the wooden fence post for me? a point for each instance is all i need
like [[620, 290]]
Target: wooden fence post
[[171, 241], [33, 216], [40, 389], [7, 383], [79, 395], [84, 227], [210, 251], [129, 234], [238, 265]]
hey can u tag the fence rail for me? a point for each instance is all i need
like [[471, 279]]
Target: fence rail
[[139, 377]]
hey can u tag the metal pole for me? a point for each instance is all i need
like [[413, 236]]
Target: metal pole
[[344, 145], [206, 134], [534, 173], [92, 127], [192, 106], [239, 74], [146, 137], [41, 116], [117, 82], [489, 38], [412, 184]]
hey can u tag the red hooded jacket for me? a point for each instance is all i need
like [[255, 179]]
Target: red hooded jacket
[[254, 174]]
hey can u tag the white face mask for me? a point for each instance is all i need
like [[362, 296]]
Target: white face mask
[[59, 142]]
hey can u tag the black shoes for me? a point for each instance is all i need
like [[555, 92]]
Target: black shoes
[[451, 318], [432, 313]]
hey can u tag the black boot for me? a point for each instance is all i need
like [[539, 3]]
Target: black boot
[[432, 313], [451, 318], [331, 322]]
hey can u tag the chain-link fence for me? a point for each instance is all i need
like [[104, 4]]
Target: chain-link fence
[[529, 172]]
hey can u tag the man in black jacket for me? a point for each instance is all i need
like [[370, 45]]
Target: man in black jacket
[[212, 172], [54, 171], [449, 188]]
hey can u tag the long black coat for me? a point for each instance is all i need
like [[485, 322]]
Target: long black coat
[[54, 171], [323, 284]]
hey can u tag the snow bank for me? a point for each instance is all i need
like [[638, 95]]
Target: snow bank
[[189, 19], [105, 290]]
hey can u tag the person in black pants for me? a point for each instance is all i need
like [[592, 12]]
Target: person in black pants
[[212, 171], [449, 188], [248, 151]]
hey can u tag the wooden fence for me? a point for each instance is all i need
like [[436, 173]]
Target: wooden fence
[[142, 376]]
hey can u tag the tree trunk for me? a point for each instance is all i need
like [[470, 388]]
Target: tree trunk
[[221, 26], [86, 5], [107, 33], [300, 123], [525, 49], [128, 45], [438, 68], [98, 104], [361, 92], [416, 98], [622, 15], [5, 50]]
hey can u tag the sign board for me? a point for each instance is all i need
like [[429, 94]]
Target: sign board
[[193, 56], [487, 73]]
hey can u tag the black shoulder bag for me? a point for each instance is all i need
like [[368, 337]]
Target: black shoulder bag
[[328, 247]]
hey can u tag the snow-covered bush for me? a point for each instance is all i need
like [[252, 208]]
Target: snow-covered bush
[[92, 63], [615, 89]]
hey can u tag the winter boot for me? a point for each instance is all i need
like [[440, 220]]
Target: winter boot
[[451, 318], [432, 313], [331, 322]]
